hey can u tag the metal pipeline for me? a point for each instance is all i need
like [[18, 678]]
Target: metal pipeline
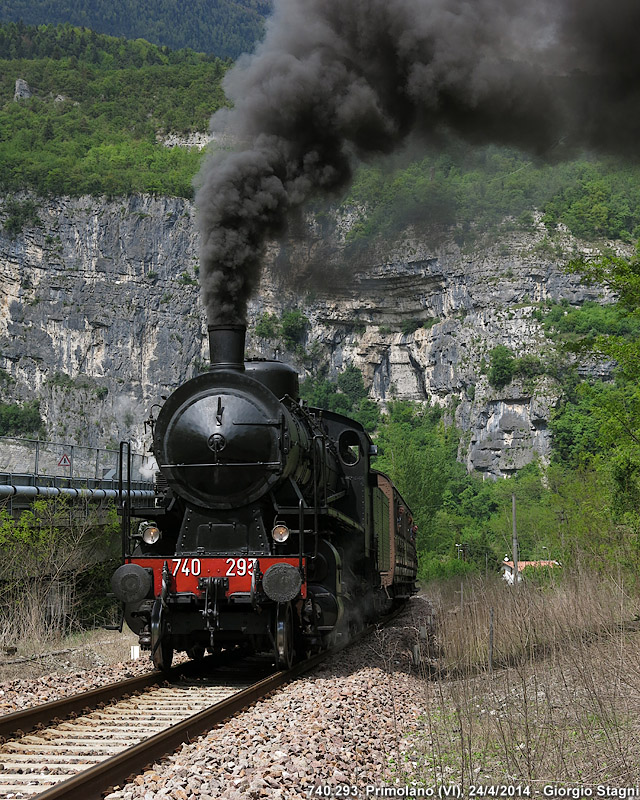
[[8, 490]]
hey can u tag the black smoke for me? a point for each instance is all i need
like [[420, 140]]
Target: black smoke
[[339, 80]]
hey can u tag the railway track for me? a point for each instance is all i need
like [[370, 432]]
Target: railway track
[[122, 728], [119, 729]]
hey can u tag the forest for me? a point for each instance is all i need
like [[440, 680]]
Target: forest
[[98, 105], [225, 28], [478, 189]]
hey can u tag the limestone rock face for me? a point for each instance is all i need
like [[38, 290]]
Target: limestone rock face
[[100, 318], [22, 90]]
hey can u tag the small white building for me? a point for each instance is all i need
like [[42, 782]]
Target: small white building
[[507, 568]]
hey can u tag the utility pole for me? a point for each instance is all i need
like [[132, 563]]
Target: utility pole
[[514, 543]]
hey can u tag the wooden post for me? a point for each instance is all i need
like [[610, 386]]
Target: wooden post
[[491, 642], [514, 543]]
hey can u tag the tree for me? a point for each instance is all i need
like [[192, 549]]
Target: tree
[[267, 326], [617, 408], [350, 382]]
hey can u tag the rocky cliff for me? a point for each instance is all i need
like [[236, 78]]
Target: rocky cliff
[[101, 317]]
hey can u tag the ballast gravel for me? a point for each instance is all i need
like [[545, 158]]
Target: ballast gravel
[[339, 729], [23, 693]]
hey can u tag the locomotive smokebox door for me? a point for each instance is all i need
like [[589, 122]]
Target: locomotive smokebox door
[[219, 440]]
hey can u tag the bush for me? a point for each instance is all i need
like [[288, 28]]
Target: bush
[[501, 366], [348, 396], [528, 366], [45, 557], [267, 326], [19, 213], [350, 382], [410, 326], [293, 327], [18, 419]]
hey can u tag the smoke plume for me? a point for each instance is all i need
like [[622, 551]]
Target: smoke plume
[[339, 80]]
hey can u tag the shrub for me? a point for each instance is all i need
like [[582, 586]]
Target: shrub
[[267, 326], [501, 366], [19, 214], [350, 382], [18, 419], [45, 557], [528, 366], [409, 326], [293, 327]]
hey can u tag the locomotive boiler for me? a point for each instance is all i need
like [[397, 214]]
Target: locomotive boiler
[[269, 528]]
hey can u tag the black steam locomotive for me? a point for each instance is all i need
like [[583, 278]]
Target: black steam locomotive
[[269, 527]]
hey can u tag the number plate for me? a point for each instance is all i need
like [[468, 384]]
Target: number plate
[[185, 572]]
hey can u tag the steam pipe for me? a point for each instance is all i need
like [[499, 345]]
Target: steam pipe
[[10, 490], [226, 346]]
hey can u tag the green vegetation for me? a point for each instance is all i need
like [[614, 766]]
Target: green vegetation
[[582, 326], [475, 189], [598, 424], [464, 522], [224, 27], [504, 366], [347, 396], [501, 366], [19, 214], [268, 326], [65, 381], [410, 326], [566, 512], [291, 329], [16, 419], [581, 510], [50, 566], [98, 104]]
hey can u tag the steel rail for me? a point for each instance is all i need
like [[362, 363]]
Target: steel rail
[[21, 722], [94, 782]]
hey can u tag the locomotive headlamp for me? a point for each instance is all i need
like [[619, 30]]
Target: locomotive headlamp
[[280, 533], [150, 533]]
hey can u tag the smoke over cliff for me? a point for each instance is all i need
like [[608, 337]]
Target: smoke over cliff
[[338, 80]]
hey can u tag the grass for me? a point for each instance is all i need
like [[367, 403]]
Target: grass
[[562, 702]]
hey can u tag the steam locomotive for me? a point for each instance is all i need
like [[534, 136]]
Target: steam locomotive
[[269, 528]]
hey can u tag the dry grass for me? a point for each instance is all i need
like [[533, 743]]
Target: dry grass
[[563, 701], [87, 650], [530, 622]]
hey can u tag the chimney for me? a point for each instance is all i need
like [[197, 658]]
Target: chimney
[[226, 346]]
